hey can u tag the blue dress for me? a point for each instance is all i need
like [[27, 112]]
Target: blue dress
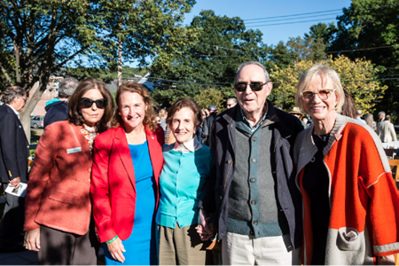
[[141, 245]]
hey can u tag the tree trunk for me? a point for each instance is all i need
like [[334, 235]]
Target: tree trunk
[[25, 113], [120, 63]]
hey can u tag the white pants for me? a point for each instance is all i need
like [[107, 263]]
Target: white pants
[[247, 250]]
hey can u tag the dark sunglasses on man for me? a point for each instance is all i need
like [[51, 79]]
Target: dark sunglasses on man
[[255, 86], [87, 102]]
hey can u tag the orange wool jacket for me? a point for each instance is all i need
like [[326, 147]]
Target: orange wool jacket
[[58, 193], [363, 197]]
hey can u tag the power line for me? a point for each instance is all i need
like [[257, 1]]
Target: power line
[[293, 15], [285, 19], [293, 22], [361, 49]]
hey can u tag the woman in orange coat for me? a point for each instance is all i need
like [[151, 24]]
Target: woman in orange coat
[[58, 206], [127, 163]]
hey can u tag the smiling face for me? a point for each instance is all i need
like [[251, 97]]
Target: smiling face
[[182, 125], [92, 114], [132, 108], [321, 109], [252, 102]]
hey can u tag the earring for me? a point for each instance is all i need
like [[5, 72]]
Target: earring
[[119, 113]]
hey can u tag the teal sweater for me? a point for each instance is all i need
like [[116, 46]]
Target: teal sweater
[[182, 183]]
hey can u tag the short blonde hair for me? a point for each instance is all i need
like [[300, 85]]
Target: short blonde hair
[[326, 74]]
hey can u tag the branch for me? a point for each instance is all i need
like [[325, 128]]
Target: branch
[[6, 74]]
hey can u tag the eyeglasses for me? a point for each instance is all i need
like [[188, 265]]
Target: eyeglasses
[[87, 102], [255, 86], [323, 94]]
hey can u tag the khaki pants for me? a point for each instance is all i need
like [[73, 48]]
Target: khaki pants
[[246, 250], [180, 246]]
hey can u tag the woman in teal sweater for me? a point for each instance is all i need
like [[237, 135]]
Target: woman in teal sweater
[[185, 182]]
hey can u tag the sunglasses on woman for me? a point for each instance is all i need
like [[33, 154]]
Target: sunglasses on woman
[[323, 94], [255, 86], [87, 102]]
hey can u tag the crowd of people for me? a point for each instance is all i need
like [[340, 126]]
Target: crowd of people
[[188, 186]]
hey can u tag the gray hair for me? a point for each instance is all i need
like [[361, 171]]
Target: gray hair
[[11, 93], [381, 113], [252, 63], [358, 112], [67, 87]]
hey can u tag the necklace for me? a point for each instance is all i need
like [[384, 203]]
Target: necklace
[[323, 137]]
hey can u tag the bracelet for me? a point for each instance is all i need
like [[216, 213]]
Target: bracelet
[[112, 240]]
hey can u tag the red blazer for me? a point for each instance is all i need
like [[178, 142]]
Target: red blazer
[[58, 193], [113, 188]]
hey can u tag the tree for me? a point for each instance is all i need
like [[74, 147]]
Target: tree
[[357, 77], [323, 32], [307, 49], [45, 36], [223, 44], [370, 29], [210, 97]]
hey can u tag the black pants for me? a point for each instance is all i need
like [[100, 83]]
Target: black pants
[[62, 248], [13, 220]]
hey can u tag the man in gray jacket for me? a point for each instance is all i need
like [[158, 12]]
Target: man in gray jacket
[[258, 217]]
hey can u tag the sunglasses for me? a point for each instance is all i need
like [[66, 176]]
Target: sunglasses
[[87, 102], [323, 94], [255, 86]]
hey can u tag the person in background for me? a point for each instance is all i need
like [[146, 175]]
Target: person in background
[[305, 121], [350, 201], [162, 115], [298, 114], [125, 177], [386, 130], [204, 114], [348, 108], [231, 102], [14, 153], [359, 116], [57, 108], [207, 125], [370, 121], [58, 208], [185, 182], [258, 207], [381, 117]]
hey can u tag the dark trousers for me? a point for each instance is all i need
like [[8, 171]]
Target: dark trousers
[[13, 220], [62, 248]]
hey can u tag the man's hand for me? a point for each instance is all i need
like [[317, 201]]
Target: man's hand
[[32, 239], [15, 182], [116, 249]]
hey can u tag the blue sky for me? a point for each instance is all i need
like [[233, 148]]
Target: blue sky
[[253, 9]]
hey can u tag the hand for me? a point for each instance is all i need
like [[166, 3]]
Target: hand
[[386, 260], [32, 239], [15, 182], [116, 248], [205, 229]]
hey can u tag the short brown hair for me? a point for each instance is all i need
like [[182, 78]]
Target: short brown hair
[[185, 102], [129, 86], [74, 114]]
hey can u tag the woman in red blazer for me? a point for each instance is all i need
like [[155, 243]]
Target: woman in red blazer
[[58, 206], [127, 163]]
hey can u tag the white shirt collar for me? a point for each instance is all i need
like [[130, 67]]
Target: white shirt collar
[[189, 146], [15, 111]]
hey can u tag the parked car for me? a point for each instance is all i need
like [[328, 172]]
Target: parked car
[[36, 122]]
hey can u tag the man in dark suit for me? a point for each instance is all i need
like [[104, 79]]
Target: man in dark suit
[[14, 152]]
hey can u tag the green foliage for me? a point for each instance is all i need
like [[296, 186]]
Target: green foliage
[[357, 78], [222, 44], [210, 97], [367, 24]]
